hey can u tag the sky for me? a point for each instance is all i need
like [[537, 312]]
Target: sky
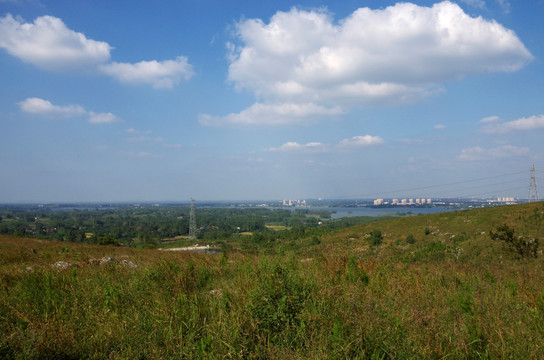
[[114, 101]]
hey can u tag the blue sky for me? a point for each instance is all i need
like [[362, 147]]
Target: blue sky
[[245, 100]]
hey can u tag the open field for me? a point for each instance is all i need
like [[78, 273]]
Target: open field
[[277, 227], [447, 291]]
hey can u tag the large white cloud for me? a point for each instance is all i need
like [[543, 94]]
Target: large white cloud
[[45, 108], [160, 74], [396, 55], [49, 44]]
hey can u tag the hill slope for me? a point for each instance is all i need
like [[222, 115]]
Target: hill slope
[[449, 291]]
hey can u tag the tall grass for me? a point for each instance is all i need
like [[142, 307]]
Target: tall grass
[[391, 300]]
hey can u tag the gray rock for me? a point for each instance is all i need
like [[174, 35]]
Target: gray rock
[[108, 260], [61, 265], [129, 264]]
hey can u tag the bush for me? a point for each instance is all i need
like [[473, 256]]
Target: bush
[[107, 240], [524, 247], [376, 237], [315, 240], [410, 239]]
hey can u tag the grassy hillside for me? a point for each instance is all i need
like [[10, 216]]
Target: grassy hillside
[[447, 291]]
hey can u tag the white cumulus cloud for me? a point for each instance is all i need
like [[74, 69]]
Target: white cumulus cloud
[[402, 51], [102, 118], [271, 114], [49, 44], [362, 140], [45, 108], [160, 74], [399, 54], [523, 124]]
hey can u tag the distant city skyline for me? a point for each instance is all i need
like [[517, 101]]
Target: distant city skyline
[[221, 100]]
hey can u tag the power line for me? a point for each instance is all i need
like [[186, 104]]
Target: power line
[[519, 188], [491, 185], [436, 185]]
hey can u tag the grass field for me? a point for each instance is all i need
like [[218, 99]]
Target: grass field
[[446, 291], [277, 227]]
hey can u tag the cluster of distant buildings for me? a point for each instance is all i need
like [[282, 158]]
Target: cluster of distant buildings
[[427, 202], [505, 199], [401, 202], [294, 202]]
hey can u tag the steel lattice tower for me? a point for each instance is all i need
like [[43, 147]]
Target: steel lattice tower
[[192, 220], [533, 190]]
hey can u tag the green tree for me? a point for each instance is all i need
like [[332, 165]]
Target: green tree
[[519, 244]]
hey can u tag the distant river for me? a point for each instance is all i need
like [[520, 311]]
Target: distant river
[[341, 212]]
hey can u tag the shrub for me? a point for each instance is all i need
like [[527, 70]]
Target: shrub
[[107, 240], [519, 244], [315, 240], [376, 237], [410, 239], [427, 231]]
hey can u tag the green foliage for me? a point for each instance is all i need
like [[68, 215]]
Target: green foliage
[[107, 240], [376, 237], [278, 299], [148, 226], [410, 239], [427, 230], [519, 244], [353, 273]]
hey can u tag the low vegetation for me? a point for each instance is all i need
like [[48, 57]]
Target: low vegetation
[[433, 286]]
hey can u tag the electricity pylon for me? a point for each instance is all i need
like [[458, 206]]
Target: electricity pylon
[[192, 220], [533, 190]]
